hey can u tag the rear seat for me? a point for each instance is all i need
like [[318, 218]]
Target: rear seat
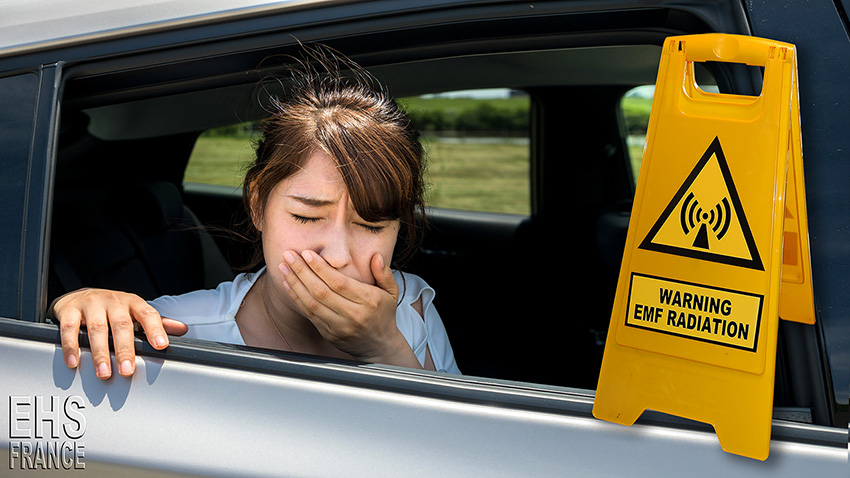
[[140, 239], [612, 226]]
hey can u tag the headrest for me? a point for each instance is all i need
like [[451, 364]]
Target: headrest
[[151, 205], [612, 226]]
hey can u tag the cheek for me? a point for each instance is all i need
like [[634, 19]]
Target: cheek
[[389, 246], [369, 244], [279, 238], [385, 243], [380, 245]]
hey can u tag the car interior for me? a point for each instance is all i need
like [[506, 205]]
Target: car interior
[[523, 297]]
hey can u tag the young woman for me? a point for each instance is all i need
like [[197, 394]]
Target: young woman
[[336, 183]]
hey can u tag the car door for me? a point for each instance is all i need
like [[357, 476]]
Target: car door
[[209, 409]]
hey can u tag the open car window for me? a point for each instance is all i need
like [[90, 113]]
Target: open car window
[[500, 148]]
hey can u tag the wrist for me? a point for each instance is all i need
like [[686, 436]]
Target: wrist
[[395, 352]]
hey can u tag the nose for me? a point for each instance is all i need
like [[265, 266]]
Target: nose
[[336, 248]]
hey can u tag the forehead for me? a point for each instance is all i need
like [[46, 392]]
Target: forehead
[[319, 178]]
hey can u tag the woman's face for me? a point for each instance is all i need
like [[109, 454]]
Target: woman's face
[[311, 210]]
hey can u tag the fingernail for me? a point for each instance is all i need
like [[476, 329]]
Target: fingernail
[[289, 257], [283, 269], [102, 370], [381, 260], [126, 367], [307, 255], [160, 341], [71, 361]]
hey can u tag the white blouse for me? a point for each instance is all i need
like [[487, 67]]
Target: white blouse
[[211, 315]]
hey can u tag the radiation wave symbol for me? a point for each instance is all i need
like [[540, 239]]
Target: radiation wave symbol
[[705, 219], [717, 219]]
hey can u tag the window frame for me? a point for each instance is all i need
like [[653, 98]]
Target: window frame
[[37, 188]]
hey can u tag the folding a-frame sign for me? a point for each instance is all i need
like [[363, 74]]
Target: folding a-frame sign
[[717, 248]]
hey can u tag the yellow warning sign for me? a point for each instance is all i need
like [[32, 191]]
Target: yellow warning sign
[[716, 251], [796, 300], [705, 219]]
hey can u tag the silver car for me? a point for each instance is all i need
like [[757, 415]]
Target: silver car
[[105, 105]]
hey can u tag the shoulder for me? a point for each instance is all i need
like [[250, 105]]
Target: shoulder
[[209, 306], [423, 328]]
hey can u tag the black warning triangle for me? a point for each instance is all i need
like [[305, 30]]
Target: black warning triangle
[[698, 248]]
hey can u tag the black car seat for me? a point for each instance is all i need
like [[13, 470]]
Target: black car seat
[[138, 238]]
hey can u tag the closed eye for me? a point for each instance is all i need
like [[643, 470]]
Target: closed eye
[[305, 219], [372, 228]]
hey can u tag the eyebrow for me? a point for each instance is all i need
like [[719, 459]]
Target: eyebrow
[[314, 202]]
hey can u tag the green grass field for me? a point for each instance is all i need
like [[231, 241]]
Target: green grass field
[[461, 175], [219, 160], [478, 177]]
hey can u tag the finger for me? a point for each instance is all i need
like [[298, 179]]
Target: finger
[[69, 331], [302, 278], [327, 277], [98, 333], [312, 298], [151, 322], [384, 275], [174, 327], [123, 339]]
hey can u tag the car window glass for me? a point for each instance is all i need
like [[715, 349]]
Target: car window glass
[[635, 106], [17, 100], [476, 142], [220, 154]]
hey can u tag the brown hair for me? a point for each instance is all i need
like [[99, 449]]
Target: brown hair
[[352, 119]]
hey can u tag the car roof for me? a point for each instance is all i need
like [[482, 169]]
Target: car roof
[[30, 25], [190, 106]]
